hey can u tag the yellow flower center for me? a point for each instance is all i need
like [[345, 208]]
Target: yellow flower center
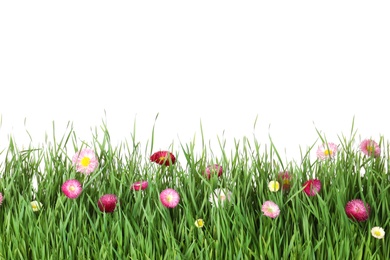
[[199, 223], [162, 158], [72, 188], [85, 161], [377, 233], [169, 198], [370, 148], [328, 152], [222, 197]]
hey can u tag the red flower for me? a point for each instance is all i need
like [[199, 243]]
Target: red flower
[[357, 210], [213, 169], [107, 203], [285, 179], [312, 187], [139, 185], [163, 158]]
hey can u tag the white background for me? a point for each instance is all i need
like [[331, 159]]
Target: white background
[[295, 65]]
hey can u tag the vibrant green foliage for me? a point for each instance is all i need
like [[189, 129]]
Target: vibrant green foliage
[[141, 228]]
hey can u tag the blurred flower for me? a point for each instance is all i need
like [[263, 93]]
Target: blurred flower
[[199, 223], [1, 198], [285, 179], [107, 203], [370, 148], [270, 209], [169, 198], [71, 188], [327, 151], [85, 161], [312, 187], [163, 158], [358, 210], [139, 185], [213, 169], [219, 197], [35, 205], [377, 232], [273, 186]]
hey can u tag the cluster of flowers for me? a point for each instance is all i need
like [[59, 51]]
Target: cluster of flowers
[[355, 209]]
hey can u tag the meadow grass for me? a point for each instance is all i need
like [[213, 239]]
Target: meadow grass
[[141, 227]]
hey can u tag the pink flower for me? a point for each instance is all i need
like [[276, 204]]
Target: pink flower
[[85, 161], [370, 148], [213, 169], [270, 209], [72, 188], [358, 210], [107, 203], [163, 158], [285, 179], [312, 187], [169, 198], [139, 185], [1, 198], [327, 151]]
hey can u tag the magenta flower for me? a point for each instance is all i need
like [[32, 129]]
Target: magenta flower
[[107, 203], [327, 151], [163, 158], [85, 161], [312, 187], [139, 185], [270, 209], [169, 198], [213, 169], [370, 148], [71, 188], [285, 179], [1, 198], [358, 210]]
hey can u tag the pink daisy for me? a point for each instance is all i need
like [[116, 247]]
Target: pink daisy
[[213, 169], [139, 185], [358, 210], [312, 187], [327, 151], [285, 179], [1, 198], [72, 188], [163, 158], [85, 161], [107, 203], [169, 198], [270, 209], [370, 148]]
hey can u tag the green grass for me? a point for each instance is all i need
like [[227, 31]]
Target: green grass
[[141, 228]]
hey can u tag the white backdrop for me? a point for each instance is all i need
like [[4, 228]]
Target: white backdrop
[[295, 65]]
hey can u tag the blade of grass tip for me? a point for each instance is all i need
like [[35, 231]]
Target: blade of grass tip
[[25, 126], [276, 151], [152, 140]]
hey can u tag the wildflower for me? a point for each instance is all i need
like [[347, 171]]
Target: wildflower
[[85, 161], [199, 223], [163, 158], [71, 188], [358, 210], [273, 186], [169, 198], [107, 203], [35, 205], [312, 187], [219, 197], [270, 209], [1, 198], [139, 185], [326, 151], [377, 232], [370, 148], [213, 169], [285, 179]]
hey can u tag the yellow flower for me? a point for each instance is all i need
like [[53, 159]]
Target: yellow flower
[[199, 223], [273, 186], [377, 232], [36, 206]]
